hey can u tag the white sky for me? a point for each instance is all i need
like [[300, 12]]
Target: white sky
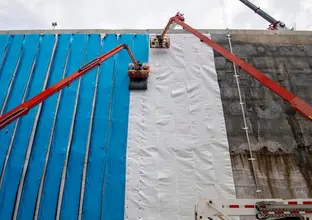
[[144, 14]]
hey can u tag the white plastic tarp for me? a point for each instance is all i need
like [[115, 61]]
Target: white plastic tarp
[[177, 145]]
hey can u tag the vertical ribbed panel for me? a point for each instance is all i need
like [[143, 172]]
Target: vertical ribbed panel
[[63, 133], [30, 121], [114, 173], [37, 143], [98, 144], [18, 92], [65, 159], [71, 195], [5, 42], [6, 76]]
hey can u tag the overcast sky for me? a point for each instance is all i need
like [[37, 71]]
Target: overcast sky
[[145, 14]]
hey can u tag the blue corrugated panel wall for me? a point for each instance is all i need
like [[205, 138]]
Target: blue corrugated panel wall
[[67, 157]]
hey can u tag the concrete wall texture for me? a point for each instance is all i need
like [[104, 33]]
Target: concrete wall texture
[[35, 150], [281, 139]]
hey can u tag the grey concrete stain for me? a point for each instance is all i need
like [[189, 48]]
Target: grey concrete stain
[[281, 139]]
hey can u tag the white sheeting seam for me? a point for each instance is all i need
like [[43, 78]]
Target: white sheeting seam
[[177, 146]]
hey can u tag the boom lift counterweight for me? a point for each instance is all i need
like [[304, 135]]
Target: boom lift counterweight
[[137, 73], [298, 104]]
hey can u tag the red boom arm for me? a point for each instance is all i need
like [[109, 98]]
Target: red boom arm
[[298, 104], [24, 108]]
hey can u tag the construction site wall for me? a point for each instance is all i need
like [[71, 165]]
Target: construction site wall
[[96, 150]]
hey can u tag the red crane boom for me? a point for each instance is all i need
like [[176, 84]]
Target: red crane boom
[[298, 104], [135, 71]]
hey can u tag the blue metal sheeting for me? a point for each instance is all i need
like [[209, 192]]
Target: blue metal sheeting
[[67, 157]]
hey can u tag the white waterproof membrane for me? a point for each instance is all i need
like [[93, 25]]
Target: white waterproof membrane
[[177, 145]]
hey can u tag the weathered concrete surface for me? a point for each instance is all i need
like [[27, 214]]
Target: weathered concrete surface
[[281, 140]]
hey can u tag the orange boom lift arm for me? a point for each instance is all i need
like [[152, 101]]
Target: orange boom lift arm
[[162, 41], [136, 71]]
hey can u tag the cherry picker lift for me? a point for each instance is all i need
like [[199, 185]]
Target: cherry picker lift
[[163, 41], [138, 74]]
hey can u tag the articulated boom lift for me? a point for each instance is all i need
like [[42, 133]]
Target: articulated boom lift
[[162, 41], [137, 73], [295, 209]]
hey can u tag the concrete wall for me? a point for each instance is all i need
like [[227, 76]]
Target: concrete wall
[[281, 140]]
